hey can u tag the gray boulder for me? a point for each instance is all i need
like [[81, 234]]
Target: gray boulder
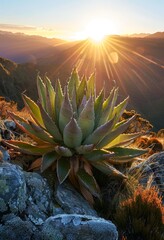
[[15, 228], [78, 227], [12, 188], [71, 201], [39, 198]]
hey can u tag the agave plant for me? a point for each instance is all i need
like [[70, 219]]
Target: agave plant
[[76, 130]]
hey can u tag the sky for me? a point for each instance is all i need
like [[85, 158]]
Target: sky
[[73, 19]]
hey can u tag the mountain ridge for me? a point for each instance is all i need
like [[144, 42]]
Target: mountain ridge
[[136, 65]]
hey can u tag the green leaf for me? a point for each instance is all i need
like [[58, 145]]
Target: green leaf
[[126, 153], [63, 151], [98, 107], [88, 182], [28, 148], [72, 134], [26, 127], [34, 110], [58, 101], [73, 82], [35, 135], [91, 86], [106, 108], [66, 111], [74, 103], [114, 99], [40, 133], [107, 169], [48, 159], [115, 133], [50, 98], [63, 169], [16, 117], [119, 109], [87, 118], [81, 91], [98, 155], [82, 105], [50, 125], [41, 91], [100, 133], [125, 138], [83, 149]]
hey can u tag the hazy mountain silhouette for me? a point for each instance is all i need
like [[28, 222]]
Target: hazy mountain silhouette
[[22, 48], [156, 35], [136, 65]]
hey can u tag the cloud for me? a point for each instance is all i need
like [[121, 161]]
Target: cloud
[[16, 27], [32, 30]]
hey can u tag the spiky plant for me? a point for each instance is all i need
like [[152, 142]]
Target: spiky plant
[[76, 131]]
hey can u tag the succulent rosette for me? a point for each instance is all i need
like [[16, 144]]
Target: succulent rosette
[[75, 131]]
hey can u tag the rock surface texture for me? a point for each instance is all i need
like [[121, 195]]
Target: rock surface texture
[[29, 210]]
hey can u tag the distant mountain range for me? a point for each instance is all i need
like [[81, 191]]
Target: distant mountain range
[[136, 65]]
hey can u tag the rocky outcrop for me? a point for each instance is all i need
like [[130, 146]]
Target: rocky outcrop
[[13, 191], [30, 210], [78, 227]]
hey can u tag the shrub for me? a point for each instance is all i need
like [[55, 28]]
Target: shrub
[[141, 217]]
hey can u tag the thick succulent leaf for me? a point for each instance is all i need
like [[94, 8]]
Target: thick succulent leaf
[[74, 103], [26, 128], [48, 159], [50, 98], [83, 149], [114, 99], [86, 194], [63, 169], [28, 148], [107, 169], [119, 109], [63, 151], [82, 105], [100, 133], [66, 111], [98, 155], [58, 100], [16, 117], [35, 165], [73, 82], [72, 134], [81, 91], [91, 86], [50, 125], [74, 163], [98, 107], [106, 107], [126, 153], [87, 118], [89, 182], [40, 133], [123, 139], [33, 109], [115, 133], [41, 91]]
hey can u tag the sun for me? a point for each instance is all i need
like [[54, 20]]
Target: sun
[[97, 29]]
